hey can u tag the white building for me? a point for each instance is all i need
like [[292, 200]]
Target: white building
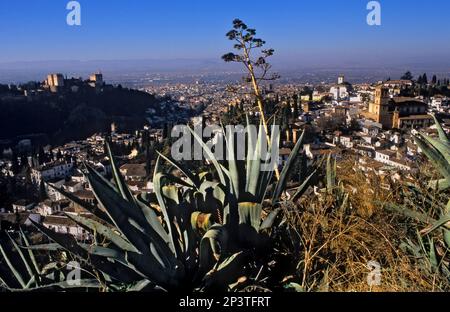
[[439, 102], [22, 206], [64, 225], [341, 90], [390, 158], [55, 170], [49, 207]]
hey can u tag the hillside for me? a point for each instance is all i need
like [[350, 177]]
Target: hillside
[[68, 115]]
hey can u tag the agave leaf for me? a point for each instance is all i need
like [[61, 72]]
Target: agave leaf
[[267, 175], [232, 164], [302, 188], [121, 186], [440, 185], [331, 175], [178, 214], [69, 243], [139, 286], [212, 245], [286, 169], [441, 222], [153, 219], [125, 214], [193, 180], [226, 272], [212, 196], [3, 284], [250, 214], [441, 147], [442, 135], [103, 230], [295, 287], [156, 273], [104, 252], [344, 201], [91, 208], [22, 256], [73, 284], [44, 247], [446, 234], [158, 191], [13, 269], [433, 255], [112, 202], [410, 213], [270, 219], [179, 181], [210, 155], [30, 252], [251, 148], [436, 158], [254, 164], [178, 210]]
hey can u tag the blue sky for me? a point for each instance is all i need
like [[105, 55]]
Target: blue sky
[[327, 31]]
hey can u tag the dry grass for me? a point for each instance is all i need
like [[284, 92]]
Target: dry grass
[[337, 243]]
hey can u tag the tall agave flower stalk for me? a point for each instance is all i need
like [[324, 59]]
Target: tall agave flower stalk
[[192, 233]]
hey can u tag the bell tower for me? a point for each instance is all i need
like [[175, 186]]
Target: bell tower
[[380, 107]]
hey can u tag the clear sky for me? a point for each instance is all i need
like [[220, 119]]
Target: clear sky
[[329, 31]]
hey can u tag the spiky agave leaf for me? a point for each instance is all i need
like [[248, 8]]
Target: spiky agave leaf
[[442, 135], [438, 152], [286, 169]]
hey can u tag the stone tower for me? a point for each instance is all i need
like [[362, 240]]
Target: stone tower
[[380, 107]]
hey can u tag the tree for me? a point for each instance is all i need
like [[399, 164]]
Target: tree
[[254, 58], [295, 112], [434, 80], [15, 168], [425, 79], [407, 76], [42, 191], [420, 80], [41, 155]]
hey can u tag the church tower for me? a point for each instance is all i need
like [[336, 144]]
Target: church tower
[[380, 107]]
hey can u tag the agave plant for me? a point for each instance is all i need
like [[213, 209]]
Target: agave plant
[[247, 187], [438, 152], [142, 245], [228, 212], [192, 233], [429, 254]]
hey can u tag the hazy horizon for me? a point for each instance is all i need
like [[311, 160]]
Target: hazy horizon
[[325, 31], [21, 72]]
